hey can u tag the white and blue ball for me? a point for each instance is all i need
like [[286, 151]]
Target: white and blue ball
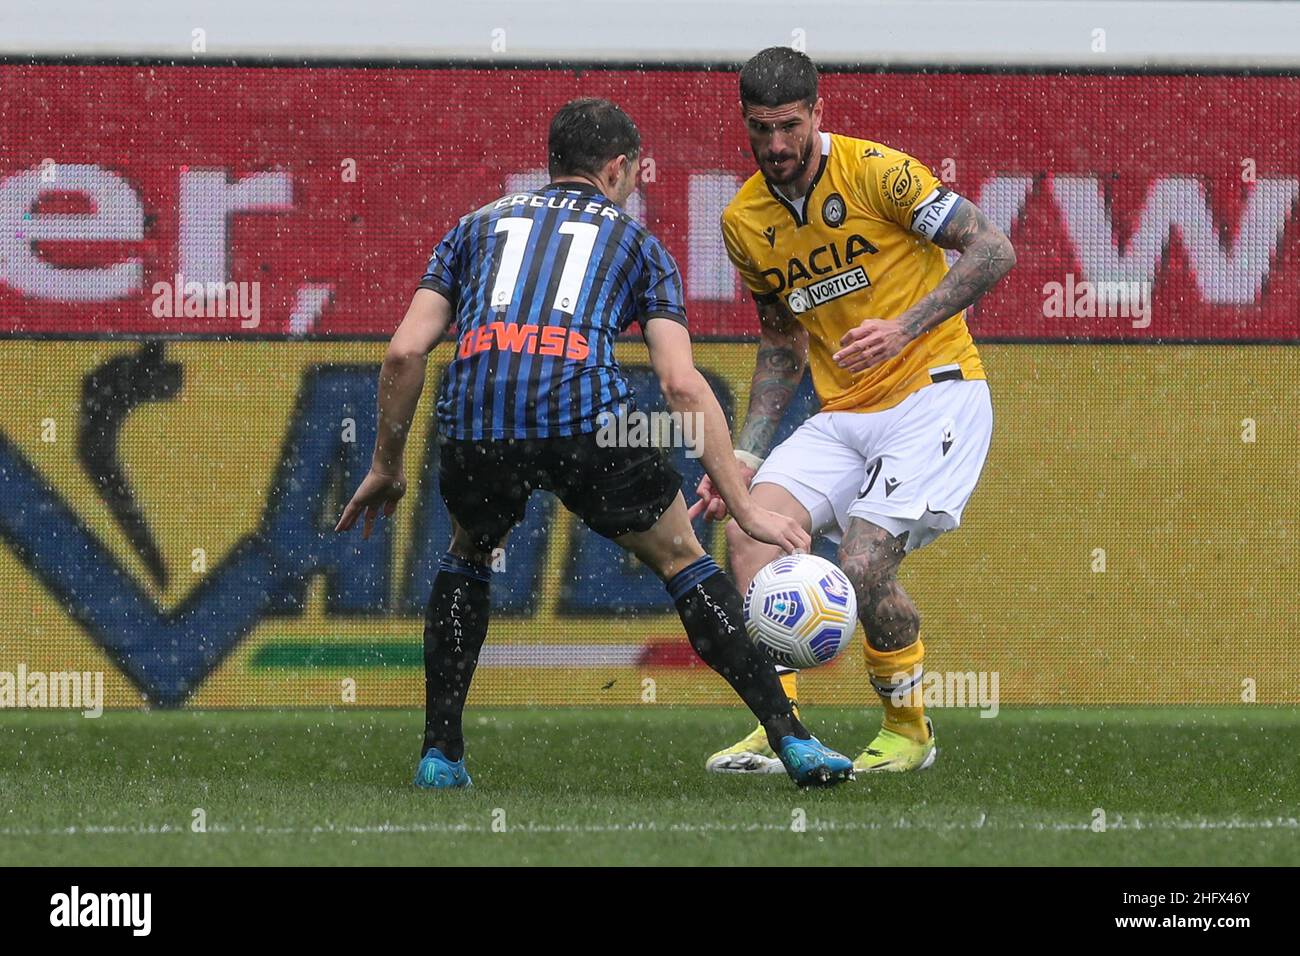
[[801, 610]]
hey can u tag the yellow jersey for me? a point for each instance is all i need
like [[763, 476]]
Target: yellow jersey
[[857, 247]]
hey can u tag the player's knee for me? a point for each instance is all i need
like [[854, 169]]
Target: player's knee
[[748, 556], [742, 545], [735, 537], [860, 572]]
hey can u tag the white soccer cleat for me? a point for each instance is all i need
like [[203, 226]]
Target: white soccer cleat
[[751, 755]]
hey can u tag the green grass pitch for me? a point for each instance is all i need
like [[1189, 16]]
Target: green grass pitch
[[1177, 786]]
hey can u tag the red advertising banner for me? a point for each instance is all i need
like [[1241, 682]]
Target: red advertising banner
[[313, 196]]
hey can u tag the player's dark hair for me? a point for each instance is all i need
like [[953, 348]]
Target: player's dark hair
[[776, 76], [586, 134]]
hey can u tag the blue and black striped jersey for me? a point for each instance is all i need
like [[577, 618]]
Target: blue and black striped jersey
[[542, 283]]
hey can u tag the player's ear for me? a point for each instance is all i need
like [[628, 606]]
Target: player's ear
[[631, 169], [614, 170]]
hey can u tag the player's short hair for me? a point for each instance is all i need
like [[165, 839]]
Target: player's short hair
[[778, 75], [586, 134]]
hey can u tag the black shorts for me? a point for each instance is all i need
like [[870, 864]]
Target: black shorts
[[486, 484]]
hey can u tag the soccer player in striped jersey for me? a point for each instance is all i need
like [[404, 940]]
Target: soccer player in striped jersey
[[840, 241], [539, 284]]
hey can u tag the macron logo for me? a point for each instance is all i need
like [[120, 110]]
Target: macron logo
[[103, 909]]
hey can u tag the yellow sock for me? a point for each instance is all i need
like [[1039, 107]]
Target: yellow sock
[[790, 684], [896, 676]]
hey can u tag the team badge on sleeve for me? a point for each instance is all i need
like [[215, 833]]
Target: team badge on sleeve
[[900, 185]]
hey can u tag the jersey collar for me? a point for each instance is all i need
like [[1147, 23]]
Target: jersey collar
[[577, 186], [799, 209]]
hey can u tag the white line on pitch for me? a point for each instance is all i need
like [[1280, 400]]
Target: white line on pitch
[[166, 829]]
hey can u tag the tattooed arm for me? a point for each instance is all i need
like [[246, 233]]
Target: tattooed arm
[[778, 369], [986, 256]]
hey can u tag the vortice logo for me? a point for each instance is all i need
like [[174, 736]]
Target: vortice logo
[[809, 297], [74, 909]]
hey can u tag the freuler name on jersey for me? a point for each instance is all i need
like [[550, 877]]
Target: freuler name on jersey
[[535, 201]]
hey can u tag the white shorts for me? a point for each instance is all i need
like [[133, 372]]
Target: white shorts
[[910, 468]]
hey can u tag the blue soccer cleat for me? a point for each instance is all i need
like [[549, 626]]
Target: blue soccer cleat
[[436, 772], [810, 764]]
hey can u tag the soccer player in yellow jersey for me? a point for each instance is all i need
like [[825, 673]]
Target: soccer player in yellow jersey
[[840, 241]]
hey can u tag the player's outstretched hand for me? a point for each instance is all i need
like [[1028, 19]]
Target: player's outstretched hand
[[872, 342], [376, 491], [772, 528], [711, 504]]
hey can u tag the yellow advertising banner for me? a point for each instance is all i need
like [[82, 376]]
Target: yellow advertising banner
[[167, 510]]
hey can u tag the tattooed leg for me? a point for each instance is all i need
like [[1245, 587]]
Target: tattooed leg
[[870, 557], [893, 652]]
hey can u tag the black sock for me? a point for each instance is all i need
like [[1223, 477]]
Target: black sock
[[713, 614], [455, 626]]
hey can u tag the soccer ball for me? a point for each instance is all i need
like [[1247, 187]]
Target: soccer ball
[[801, 610]]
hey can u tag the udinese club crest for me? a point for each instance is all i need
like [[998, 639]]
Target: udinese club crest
[[833, 210]]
